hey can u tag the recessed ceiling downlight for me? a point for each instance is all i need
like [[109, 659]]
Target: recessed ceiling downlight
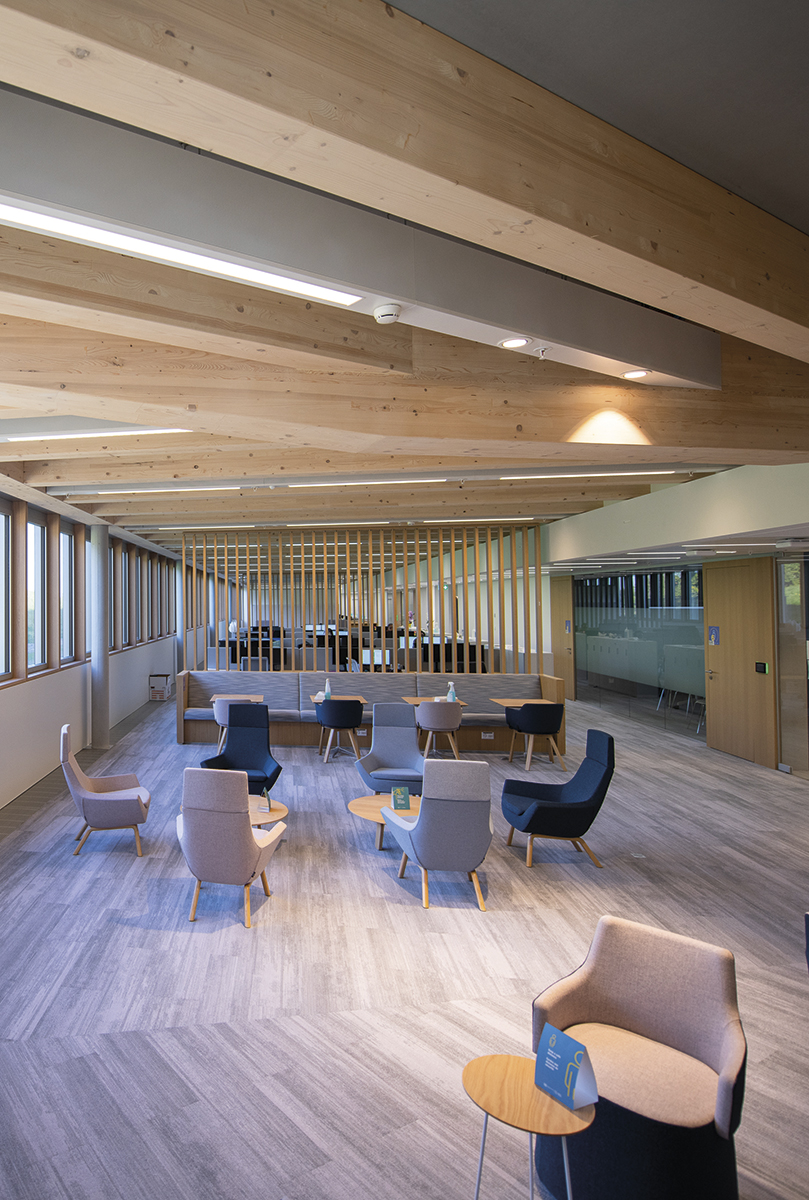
[[514, 343], [634, 374]]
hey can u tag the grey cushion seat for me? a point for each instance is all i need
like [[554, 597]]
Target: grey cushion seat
[[483, 718], [199, 714]]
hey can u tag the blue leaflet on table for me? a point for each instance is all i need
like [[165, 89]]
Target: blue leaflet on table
[[401, 797], [564, 1069]]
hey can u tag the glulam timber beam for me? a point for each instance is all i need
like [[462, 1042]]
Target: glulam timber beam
[[44, 279], [364, 102]]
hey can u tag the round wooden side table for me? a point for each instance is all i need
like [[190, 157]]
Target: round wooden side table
[[370, 809], [503, 1086]]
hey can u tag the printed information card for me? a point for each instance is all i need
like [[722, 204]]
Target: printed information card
[[401, 797], [564, 1069]]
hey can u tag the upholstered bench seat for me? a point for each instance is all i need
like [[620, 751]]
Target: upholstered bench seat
[[647, 1077], [199, 714], [483, 718]]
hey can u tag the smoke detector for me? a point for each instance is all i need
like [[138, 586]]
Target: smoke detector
[[386, 314]]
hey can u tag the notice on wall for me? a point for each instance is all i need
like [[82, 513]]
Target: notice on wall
[[567, 626], [564, 1069], [713, 635], [400, 797]]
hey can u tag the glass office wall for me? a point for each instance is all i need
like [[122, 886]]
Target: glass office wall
[[66, 594], [793, 663], [640, 646], [5, 564]]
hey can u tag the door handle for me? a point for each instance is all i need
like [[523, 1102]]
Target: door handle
[[711, 673]]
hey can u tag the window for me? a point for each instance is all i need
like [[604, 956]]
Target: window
[[125, 597], [5, 665], [37, 652], [66, 594]]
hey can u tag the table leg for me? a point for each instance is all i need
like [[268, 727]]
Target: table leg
[[482, 1148], [531, 1165], [567, 1169], [380, 833]]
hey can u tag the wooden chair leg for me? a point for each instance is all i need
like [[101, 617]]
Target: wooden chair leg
[[454, 745], [223, 732], [83, 840], [473, 875], [558, 755], [352, 737], [193, 915], [575, 842], [402, 866], [529, 750], [322, 735], [589, 851], [511, 750], [264, 883], [81, 831], [428, 743], [136, 832], [380, 835], [529, 851], [329, 745], [510, 837], [425, 889], [247, 906]]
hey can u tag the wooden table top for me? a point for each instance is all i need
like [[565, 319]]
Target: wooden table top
[[421, 699], [516, 703], [370, 807], [259, 814], [334, 696], [244, 699], [503, 1086]]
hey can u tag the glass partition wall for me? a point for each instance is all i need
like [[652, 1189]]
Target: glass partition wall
[[640, 646], [458, 599]]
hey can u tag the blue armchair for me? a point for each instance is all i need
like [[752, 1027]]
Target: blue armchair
[[565, 811], [247, 748], [394, 759]]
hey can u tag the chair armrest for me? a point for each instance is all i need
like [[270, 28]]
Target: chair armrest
[[395, 818], [730, 1090], [564, 1003], [267, 837], [113, 783], [520, 820]]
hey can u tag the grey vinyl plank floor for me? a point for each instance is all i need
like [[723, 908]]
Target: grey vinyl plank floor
[[319, 1054]]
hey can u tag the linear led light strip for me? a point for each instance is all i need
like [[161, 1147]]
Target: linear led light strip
[[105, 433], [157, 491], [363, 483], [598, 475], [140, 247]]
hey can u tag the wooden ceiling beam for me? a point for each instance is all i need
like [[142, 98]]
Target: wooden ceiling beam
[[44, 279], [362, 101]]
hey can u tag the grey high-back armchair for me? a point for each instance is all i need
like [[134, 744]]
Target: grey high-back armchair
[[394, 759], [453, 829], [103, 802], [217, 839]]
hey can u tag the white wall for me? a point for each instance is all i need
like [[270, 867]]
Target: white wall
[[129, 675], [32, 713]]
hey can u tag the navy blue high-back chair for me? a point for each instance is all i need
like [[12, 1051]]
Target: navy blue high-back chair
[[536, 720], [335, 715], [247, 748], [564, 811]]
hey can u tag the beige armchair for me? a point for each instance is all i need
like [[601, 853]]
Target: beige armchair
[[103, 802], [658, 1015]]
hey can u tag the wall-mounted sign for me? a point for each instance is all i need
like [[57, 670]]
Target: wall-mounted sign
[[713, 635], [567, 626]]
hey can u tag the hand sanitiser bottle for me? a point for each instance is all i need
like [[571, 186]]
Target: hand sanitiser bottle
[[451, 693], [327, 690]]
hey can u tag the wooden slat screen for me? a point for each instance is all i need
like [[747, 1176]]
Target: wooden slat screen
[[430, 598]]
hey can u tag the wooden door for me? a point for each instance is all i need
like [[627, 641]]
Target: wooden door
[[741, 715], [563, 632]]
